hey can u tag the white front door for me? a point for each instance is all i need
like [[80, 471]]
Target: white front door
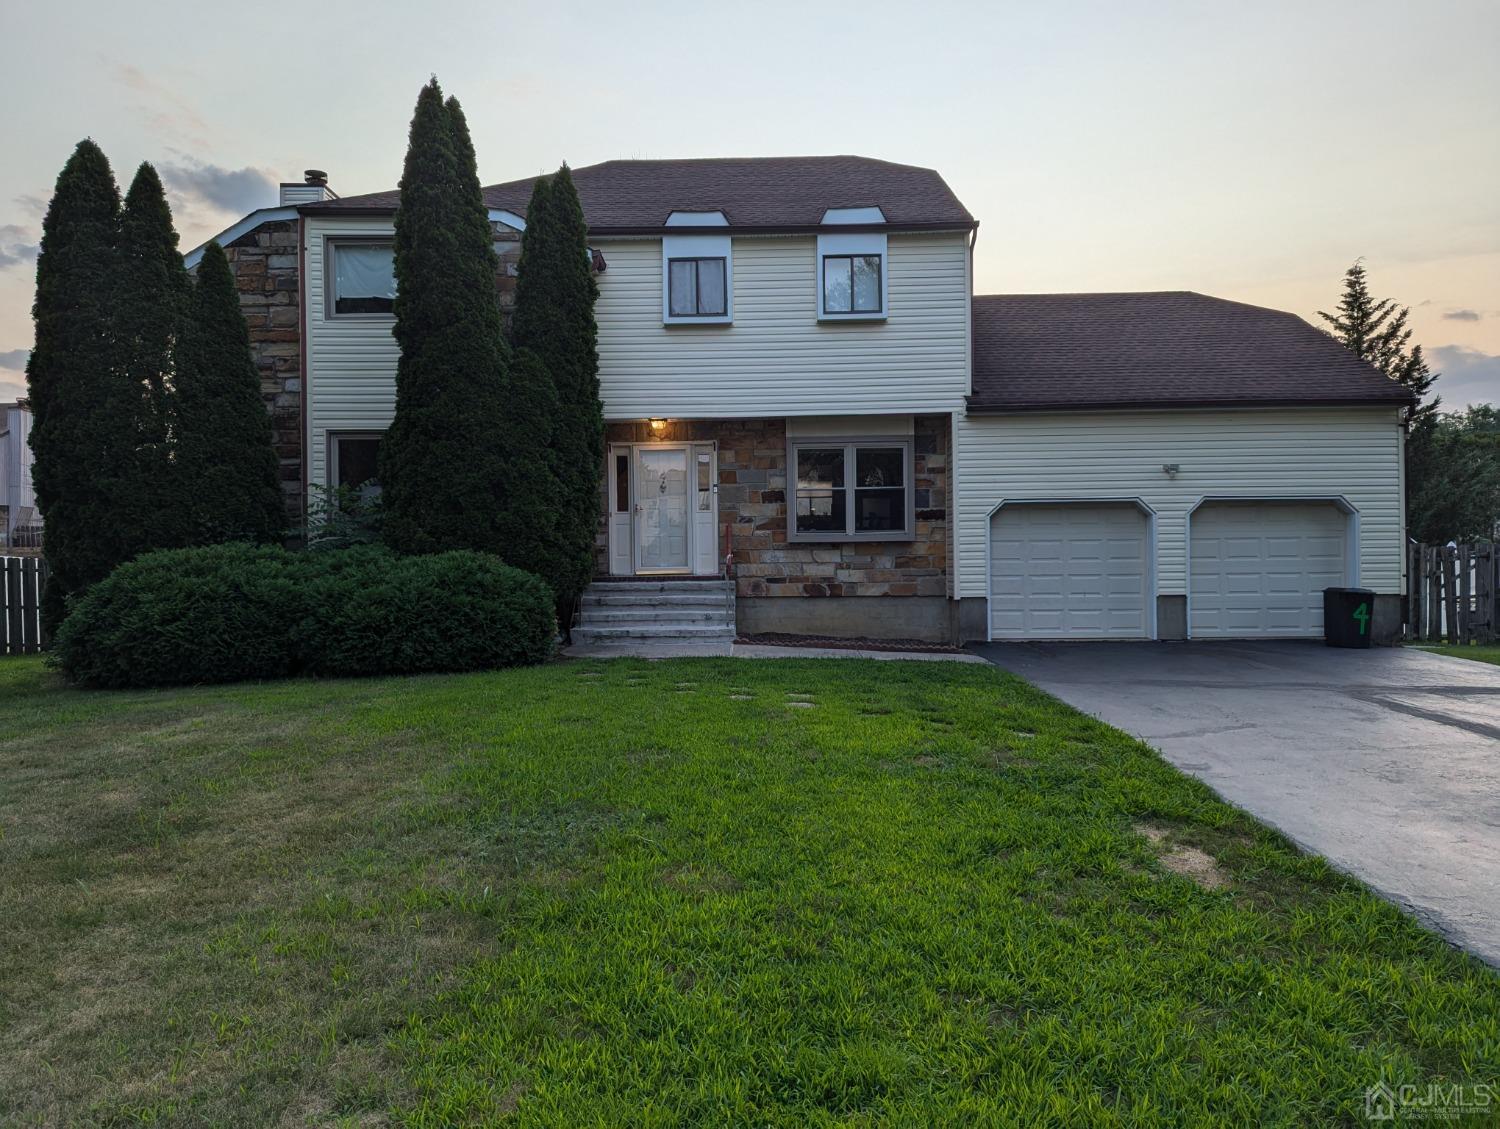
[[661, 509]]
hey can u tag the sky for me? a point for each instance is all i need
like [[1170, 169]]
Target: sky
[[1247, 150]]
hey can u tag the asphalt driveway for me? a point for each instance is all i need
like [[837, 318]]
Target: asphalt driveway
[[1386, 762]]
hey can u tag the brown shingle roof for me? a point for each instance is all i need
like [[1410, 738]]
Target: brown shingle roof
[[1041, 352], [752, 192]]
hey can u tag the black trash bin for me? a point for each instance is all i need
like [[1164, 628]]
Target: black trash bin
[[1348, 615]]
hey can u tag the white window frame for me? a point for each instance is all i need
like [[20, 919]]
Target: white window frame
[[853, 245], [331, 245], [696, 247], [850, 445]]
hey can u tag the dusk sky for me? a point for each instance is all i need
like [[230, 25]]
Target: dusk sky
[[1250, 151]]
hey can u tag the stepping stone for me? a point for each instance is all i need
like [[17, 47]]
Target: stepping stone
[[741, 697], [800, 705]]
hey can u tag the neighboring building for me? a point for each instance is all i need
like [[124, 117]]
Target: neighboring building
[[798, 380], [20, 524]]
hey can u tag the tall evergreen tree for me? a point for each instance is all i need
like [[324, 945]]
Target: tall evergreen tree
[[441, 469], [84, 420], [151, 309], [225, 466], [1376, 331], [528, 522], [554, 319]]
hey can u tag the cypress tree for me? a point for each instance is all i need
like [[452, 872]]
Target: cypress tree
[[83, 423], [528, 522], [225, 463], [150, 314], [554, 319], [441, 469]]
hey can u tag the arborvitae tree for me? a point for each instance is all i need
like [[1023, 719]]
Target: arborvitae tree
[[528, 523], [151, 308], [83, 418], [441, 468], [554, 318], [225, 464], [1376, 331]]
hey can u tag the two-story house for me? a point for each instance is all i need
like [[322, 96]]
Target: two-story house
[[807, 407]]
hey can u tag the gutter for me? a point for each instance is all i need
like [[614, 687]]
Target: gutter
[[1167, 405]]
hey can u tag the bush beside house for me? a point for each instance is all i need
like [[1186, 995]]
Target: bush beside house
[[231, 612]]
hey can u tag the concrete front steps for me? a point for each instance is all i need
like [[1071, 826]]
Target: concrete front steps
[[662, 611]]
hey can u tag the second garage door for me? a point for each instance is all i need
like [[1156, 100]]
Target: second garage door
[[1068, 571], [1259, 568]]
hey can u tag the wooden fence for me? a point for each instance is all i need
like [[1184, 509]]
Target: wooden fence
[[1451, 593], [21, 580]]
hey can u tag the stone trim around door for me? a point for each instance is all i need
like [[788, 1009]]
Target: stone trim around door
[[834, 580]]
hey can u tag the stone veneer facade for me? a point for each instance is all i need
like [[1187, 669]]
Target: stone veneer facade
[[829, 578], [265, 265]]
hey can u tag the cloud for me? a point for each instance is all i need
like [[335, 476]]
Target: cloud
[[1461, 315], [165, 111], [224, 190], [1469, 376], [18, 245], [11, 391], [14, 359]]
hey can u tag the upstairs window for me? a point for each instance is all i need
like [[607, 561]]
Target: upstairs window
[[853, 280], [851, 284], [851, 491], [364, 278], [695, 288]]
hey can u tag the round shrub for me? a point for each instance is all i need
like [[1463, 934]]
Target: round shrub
[[231, 612], [380, 614], [216, 614]]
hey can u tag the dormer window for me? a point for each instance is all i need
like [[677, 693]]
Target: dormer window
[[697, 280], [852, 277], [695, 288]]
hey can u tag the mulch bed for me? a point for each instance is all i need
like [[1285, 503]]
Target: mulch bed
[[780, 639]]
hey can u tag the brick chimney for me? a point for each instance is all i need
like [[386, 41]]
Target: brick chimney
[[312, 189]]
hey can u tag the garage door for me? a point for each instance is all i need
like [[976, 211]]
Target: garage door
[[1259, 568], [1068, 571]]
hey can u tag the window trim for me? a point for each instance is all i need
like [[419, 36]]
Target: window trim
[[697, 261], [697, 247], [331, 439], [850, 444], [848, 246], [331, 245], [852, 311]]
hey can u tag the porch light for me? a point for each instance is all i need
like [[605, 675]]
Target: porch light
[[658, 425]]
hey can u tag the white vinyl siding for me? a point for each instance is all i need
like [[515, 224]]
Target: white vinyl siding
[[776, 359], [351, 361], [1283, 453]]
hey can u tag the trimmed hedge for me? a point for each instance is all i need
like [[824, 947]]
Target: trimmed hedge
[[230, 612]]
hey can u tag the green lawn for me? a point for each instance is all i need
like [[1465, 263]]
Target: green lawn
[[628, 893], [1486, 654]]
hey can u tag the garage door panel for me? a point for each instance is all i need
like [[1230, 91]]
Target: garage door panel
[[1259, 568], [1068, 571]]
